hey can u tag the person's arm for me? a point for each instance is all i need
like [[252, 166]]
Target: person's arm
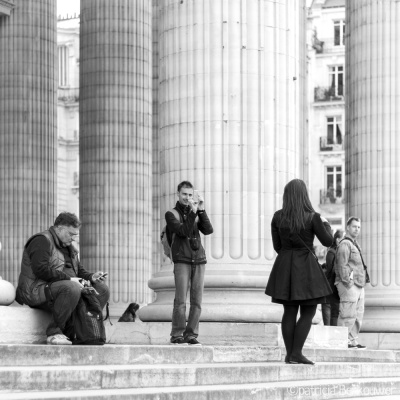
[[82, 273], [342, 267], [322, 230], [276, 239], [39, 252], [204, 223], [184, 228]]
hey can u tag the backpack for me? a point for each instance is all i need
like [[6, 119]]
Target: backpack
[[167, 238], [331, 276], [86, 326]]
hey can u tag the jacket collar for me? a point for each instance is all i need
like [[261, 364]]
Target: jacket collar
[[183, 209]]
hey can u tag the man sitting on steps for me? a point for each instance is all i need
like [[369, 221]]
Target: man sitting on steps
[[51, 275]]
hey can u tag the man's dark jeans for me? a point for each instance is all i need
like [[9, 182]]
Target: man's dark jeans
[[66, 295], [187, 275]]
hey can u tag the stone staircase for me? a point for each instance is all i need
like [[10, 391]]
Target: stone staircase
[[193, 372]]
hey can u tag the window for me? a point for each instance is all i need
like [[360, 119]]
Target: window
[[62, 66], [338, 28], [334, 130], [334, 182], [336, 79]]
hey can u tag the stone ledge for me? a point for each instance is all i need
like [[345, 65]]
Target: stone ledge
[[224, 333], [28, 326], [23, 325]]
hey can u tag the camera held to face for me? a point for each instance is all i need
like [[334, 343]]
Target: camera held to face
[[194, 243]]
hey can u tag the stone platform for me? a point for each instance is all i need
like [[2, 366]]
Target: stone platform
[[27, 325]]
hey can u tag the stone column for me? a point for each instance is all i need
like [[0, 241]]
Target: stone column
[[229, 104], [28, 126], [115, 145], [372, 151], [156, 245]]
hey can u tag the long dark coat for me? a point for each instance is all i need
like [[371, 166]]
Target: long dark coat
[[296, 276]]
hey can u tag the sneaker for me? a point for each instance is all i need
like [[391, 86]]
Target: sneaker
[[193, 341], [352, 346], [178, 340], [59, 339], [360, 346]]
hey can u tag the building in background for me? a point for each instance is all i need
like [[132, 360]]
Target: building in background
[[326, 94], [68, 114]]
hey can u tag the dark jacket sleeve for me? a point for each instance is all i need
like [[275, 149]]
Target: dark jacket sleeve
[[39, 252], [82, 273], [276, 239], [204, 224], [184, 228], [322, 230]]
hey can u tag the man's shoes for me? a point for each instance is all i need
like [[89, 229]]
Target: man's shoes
[[360, 346], [178, 340], [58, 339], [356, 346], [193, 341]]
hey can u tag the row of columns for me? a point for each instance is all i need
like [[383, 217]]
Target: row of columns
[[210, 91]]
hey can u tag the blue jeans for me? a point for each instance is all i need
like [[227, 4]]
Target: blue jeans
[[187, 275]]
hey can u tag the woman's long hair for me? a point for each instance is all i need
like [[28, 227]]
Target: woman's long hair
[[296, 208]]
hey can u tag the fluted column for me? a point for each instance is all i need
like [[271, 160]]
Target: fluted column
[[156, 245], [372, 150], [229, 104], [28, 127], [115, 145]]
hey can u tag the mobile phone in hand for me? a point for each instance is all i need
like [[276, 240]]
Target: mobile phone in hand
[[196, 196], [104, 274]]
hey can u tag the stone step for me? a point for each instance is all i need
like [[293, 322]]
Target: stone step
[[81, 377], [381, 388], [30, 355]]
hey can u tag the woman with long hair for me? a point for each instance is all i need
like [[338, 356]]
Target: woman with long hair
[[297, 280], [330, 310]]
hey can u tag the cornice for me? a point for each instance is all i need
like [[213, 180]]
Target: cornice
[[6, 7]]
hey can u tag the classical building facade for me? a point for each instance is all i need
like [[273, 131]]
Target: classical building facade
[[326, 94], [215, 92], [68, 114]]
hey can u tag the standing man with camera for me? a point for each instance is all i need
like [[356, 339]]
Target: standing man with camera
[[351, 277], [189, 258], [52, 277]]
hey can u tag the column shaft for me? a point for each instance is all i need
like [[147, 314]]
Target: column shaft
[[372, 150], [115, 145], [28, 127], [229, 105]]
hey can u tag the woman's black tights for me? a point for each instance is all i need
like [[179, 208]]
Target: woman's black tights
[[295, 334]]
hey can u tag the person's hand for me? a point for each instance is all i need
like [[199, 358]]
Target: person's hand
[[201, 203], [193, 205], [324, 219], [77, 281], [99, 276]]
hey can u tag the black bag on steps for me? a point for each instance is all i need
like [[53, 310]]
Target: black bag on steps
[[86, 326]]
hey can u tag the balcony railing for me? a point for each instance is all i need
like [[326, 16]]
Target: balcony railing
[[331, 196], [328, 145], [331, 93], [69, 95]]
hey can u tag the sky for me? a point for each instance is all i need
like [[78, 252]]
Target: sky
[[69, 7]]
